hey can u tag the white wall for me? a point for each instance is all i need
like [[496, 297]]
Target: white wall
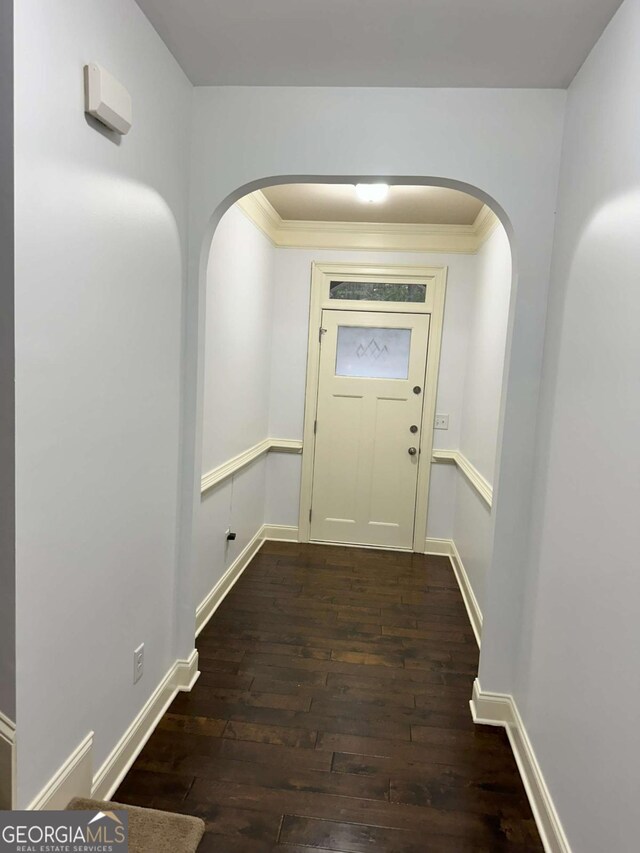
[[485, 357], [240, 277], [485, 353], [100, 237], [578, 687], [237, 382], [7, 363]]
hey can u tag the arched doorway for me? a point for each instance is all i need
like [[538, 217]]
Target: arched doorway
[[215, 219]]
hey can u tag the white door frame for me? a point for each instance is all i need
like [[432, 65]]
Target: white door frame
[[321, 275]]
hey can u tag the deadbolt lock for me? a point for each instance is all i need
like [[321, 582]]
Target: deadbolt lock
[[413, 428], [417, 389]]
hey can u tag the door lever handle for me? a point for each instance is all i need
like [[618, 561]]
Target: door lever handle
[[412, 451]]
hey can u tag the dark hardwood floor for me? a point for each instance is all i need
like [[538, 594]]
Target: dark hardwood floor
[[332, 715]]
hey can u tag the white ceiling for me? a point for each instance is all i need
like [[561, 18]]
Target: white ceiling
[[504, 43], [339, 203]]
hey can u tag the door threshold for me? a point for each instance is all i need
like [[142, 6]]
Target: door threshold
[[361, 545]]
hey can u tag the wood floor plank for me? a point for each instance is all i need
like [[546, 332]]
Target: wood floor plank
[[275, 755], [331, 716], [354, 838], [280, 735], [192, 724]]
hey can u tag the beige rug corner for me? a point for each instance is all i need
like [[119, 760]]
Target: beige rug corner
[[150, 830]]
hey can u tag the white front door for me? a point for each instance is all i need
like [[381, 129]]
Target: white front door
[[368, 427]]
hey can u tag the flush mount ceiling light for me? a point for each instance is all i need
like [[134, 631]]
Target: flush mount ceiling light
[[372, 193]]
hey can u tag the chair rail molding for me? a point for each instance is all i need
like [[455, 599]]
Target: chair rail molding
[[376, 236], [500, 709], [479, 483], [237, 463]]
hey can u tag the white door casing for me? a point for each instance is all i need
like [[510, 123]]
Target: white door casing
[[371, 381], [433, 280]]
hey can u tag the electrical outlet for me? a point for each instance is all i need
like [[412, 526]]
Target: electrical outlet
[[442, 422], [138, 663]]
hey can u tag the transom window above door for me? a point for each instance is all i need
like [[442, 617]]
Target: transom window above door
[[378, 291], [373, 287]]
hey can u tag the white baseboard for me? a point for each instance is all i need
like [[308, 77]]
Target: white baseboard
[[7, 763], [186, 673], [468, 595], [214, 599], [72, 779], [500, 709], [279, 533], [439, 547], [182, 676], [490, 709], [447, 548]]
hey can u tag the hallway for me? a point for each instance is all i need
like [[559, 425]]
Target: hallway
[[332, 715]]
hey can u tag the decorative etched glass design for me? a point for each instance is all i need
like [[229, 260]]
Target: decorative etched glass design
[[377, 291], [373, 353]]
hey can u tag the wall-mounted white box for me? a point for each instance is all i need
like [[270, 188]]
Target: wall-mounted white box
[[106, 99]]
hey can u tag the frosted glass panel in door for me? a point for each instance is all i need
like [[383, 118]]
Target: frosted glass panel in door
[[373, 353]]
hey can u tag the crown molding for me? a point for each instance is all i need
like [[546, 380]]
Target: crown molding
[[262, 213], [374, 236], [484, 224]]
